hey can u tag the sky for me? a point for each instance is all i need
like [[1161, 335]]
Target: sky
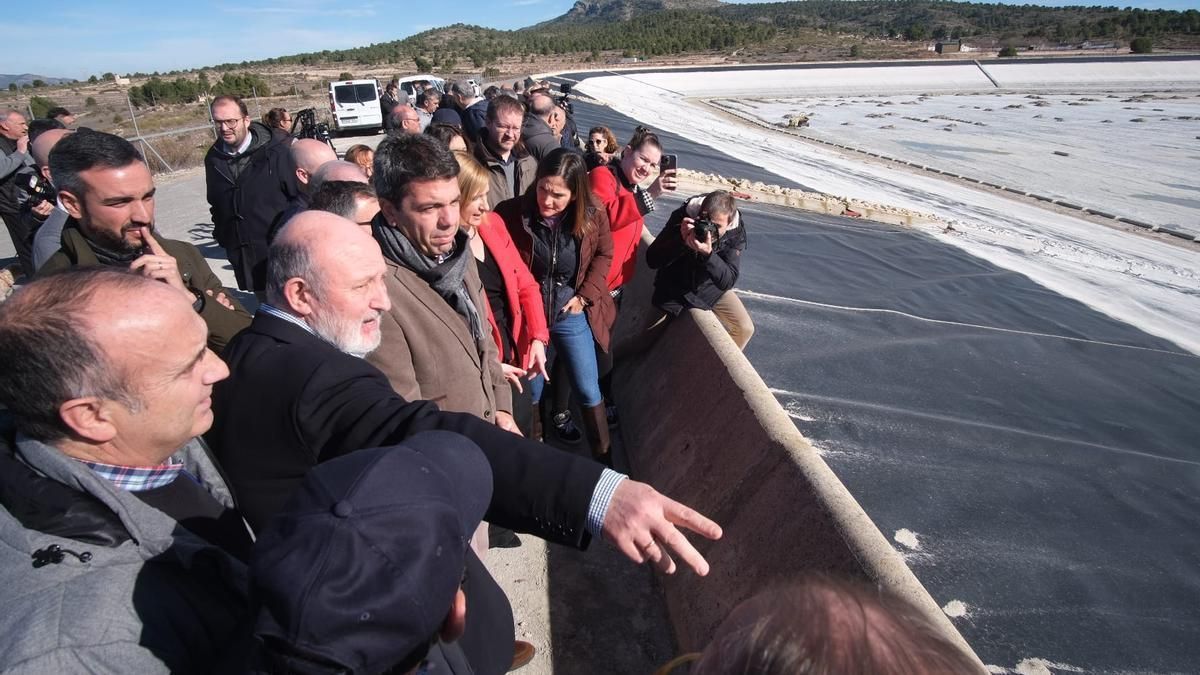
[[90, 38]]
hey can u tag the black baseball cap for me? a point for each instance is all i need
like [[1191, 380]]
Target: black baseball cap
[[361, 567]]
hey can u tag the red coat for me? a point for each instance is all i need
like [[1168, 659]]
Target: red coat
[[625, 220], [521, 291]]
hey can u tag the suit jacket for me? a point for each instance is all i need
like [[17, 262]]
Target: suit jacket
[[293, 400], [428, 352]]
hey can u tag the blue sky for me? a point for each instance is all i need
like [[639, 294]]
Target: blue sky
[[94, 37]]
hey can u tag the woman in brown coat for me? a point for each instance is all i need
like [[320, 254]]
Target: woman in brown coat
[[565, 240]]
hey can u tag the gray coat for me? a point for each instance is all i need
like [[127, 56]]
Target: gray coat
[[161, 601]]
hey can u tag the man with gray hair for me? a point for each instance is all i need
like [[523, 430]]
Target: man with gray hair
[[15, 162], [427, 104], [542, 128], [300, 394], [472, 106]]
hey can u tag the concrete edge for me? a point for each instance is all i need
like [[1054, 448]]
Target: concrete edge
[[874, 555]]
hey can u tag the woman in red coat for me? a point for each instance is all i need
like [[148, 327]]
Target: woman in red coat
[[617, 186], [514, 298]]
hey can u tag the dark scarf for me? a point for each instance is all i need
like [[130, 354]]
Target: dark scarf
[[446, 277], [106, 256], [645, 202]]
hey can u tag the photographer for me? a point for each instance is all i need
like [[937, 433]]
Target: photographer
[[697, 255], [47, 217]]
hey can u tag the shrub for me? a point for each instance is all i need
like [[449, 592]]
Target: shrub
[[40, 105], [855, 51], [1141, 45], [1008, 51], [90, 102], [346, 76]]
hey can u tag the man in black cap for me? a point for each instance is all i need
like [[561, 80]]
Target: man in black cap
[[362, 572]]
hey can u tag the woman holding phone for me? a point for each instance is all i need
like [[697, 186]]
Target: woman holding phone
[[618, 187]]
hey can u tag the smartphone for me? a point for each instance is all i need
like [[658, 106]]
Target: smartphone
[[668, 163]]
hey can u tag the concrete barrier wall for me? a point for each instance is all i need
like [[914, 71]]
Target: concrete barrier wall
[[700, 425]]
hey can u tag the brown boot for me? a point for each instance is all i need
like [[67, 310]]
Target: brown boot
[[595, 427], [535, 427]]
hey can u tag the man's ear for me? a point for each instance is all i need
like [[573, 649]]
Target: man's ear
[[455, 623], [89, 418], [391, 212], [72, 202], [299, 296]]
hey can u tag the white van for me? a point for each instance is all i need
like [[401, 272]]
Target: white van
[[355, 105], [408, 84]]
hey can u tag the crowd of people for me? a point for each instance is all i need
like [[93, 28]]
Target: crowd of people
[[188, 486]]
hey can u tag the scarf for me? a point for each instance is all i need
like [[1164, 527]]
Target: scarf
[[446, 278], [107, 256]]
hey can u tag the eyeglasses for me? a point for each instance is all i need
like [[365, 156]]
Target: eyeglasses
[[227, 124]]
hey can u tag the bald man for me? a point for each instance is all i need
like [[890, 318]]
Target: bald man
[[47, 238], [538, 131], [300, 393], [309, 156], [337, 170]]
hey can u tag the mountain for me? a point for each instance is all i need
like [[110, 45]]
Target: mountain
[[607, 11], [28, 78]]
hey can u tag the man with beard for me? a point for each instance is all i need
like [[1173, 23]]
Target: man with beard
[[300, 394], [499, 149], [108, 194], [251, 178]]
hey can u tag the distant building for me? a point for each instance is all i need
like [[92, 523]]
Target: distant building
[[952, 47], [122, 81]]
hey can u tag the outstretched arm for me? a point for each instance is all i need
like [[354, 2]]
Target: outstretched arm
[[645, 525]]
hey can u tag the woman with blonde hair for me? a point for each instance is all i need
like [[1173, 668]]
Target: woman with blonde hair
[[514, 298], [363, 156]]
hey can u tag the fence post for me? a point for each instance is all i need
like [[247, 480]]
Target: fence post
[[138, 135], [212, 124], [257, 105], [29, 104]]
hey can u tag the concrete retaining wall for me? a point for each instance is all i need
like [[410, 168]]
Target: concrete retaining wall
[[700, 425]]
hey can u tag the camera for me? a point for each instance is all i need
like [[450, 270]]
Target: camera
[[309, 127], [38, 189], [704, 229]]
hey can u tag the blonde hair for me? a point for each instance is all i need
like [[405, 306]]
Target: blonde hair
[[358, 154], [472, 177]]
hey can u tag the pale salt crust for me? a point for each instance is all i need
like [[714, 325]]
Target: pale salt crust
[[1152, 284]]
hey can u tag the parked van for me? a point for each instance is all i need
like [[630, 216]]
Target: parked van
[[355, 105], [408, 84]]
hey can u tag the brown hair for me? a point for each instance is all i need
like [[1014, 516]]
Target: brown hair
[[642, 136], [444, 132], [828, 625], [569, 166], [501, 104], [273, 118], [610, 139]]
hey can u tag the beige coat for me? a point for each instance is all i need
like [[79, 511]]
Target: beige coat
[[428, 352]]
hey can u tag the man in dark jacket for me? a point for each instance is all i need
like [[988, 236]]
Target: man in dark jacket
[[251, 177], [108, 195], [15, 165], [301, 394], [698, 266], [499, 149], [542, 130]]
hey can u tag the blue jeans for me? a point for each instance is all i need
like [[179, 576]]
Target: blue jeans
[[571, 338]]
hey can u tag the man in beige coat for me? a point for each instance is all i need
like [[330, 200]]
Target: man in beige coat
[[436, 341]]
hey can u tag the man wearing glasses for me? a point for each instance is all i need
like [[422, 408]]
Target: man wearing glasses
[[251, 177], [499, 149]]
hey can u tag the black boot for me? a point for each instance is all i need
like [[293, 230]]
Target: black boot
[[564, 427]]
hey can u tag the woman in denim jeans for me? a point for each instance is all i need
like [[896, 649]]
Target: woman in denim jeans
[[564, 238]]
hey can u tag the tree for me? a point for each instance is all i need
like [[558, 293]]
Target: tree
[[346, 76], [40, 105], [90, 102], [93, 79], [1008, 51], [423, 65], [855, 51], [108, 77], [12, 86], [38, 84], [1141, 45]]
